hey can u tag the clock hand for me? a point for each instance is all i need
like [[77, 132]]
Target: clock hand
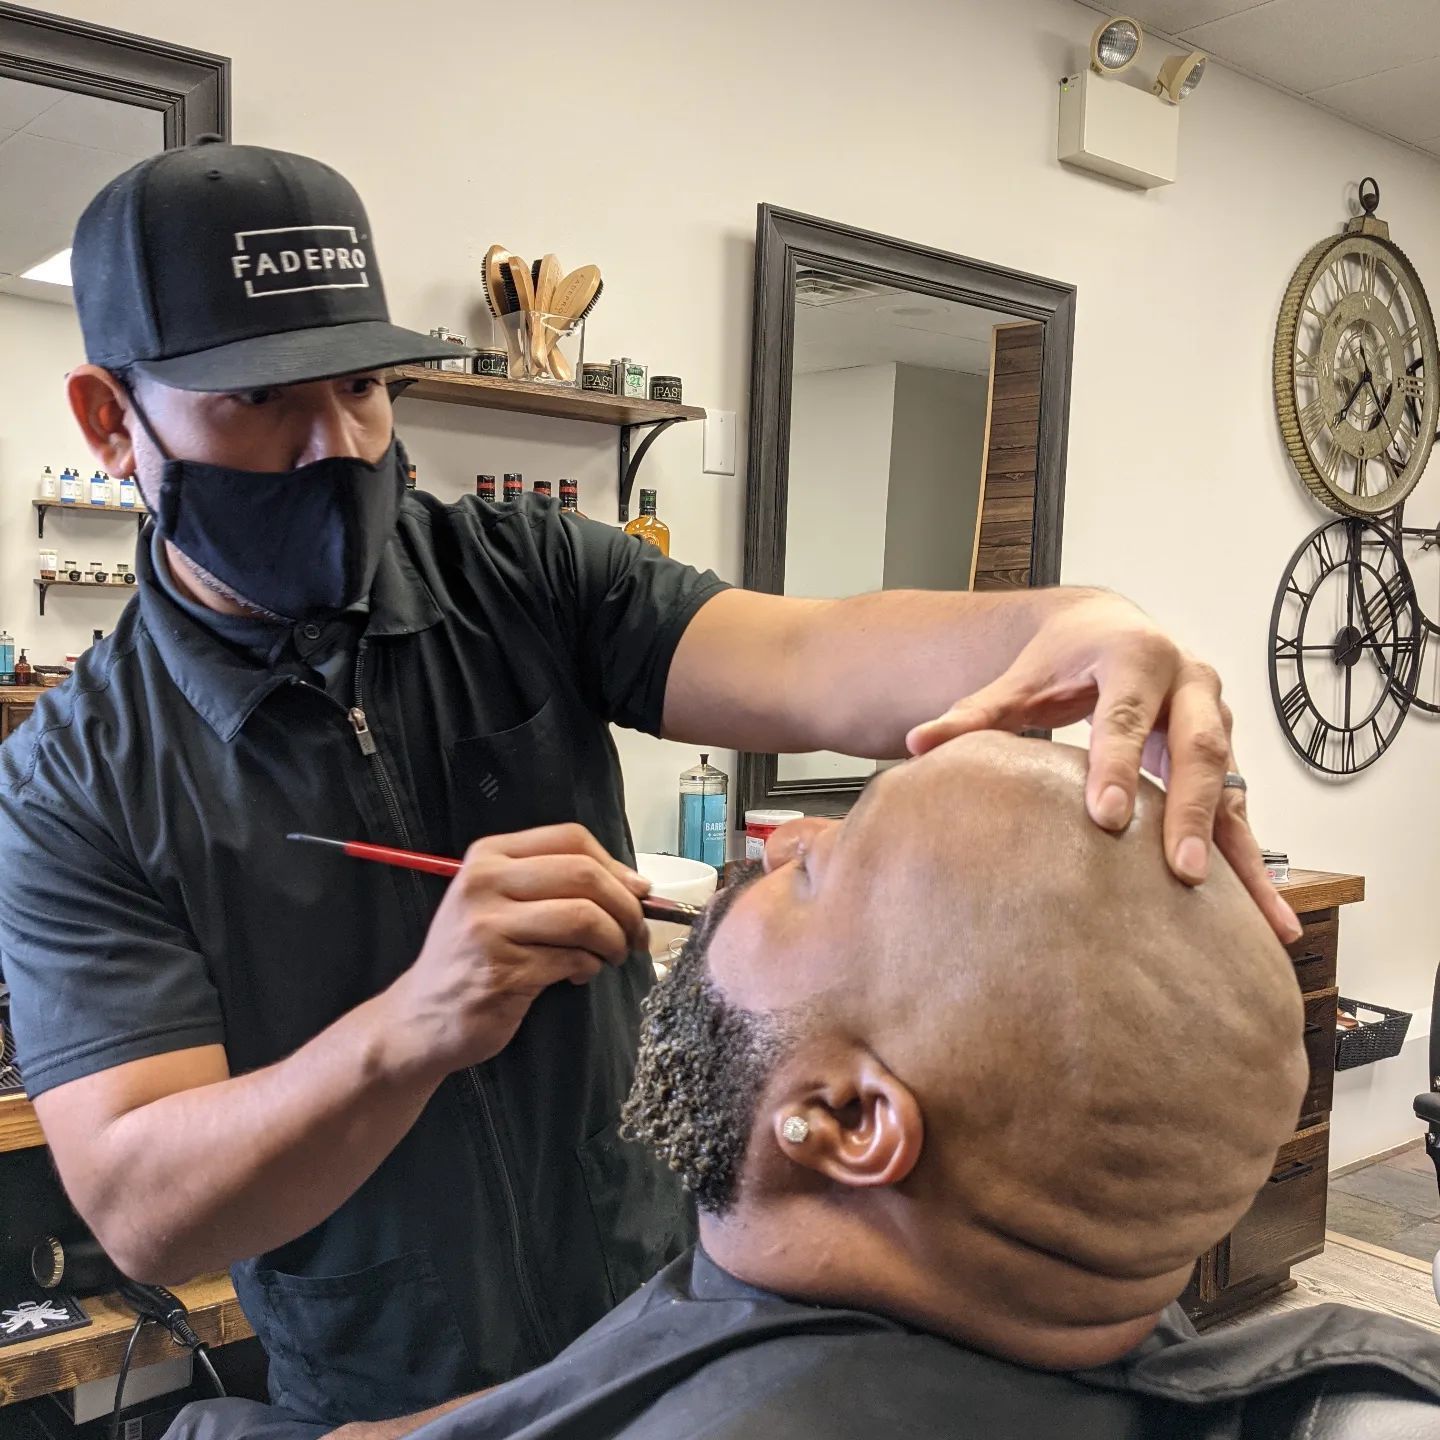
[[1344, 410]]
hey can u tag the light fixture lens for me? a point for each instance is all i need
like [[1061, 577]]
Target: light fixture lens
[[1196, 75], [54, 271], [1116, 44]]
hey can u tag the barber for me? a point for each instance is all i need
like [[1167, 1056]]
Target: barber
[[388, 1104]]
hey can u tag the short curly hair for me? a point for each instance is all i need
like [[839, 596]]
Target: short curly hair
[[703, 1065]]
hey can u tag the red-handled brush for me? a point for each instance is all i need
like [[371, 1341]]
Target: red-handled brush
[[654, 908]]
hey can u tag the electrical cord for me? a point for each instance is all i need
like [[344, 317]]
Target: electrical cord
[[124, 1375], [155, 1305]]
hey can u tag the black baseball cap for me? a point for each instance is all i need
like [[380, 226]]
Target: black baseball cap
[[231, 267]]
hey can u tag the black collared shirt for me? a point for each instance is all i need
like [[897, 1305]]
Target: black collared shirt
[[149, 902]]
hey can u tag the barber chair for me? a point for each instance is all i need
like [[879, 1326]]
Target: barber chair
[[1427, 1107]]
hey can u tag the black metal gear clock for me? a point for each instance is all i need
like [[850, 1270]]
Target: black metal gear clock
[[1345, 644]]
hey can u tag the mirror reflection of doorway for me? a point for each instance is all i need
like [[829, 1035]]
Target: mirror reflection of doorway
[[896, 424]]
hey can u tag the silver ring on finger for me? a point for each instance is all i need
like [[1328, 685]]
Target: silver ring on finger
[[1234, 781]]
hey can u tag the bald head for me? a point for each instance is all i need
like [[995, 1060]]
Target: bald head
[[1035, 1064]]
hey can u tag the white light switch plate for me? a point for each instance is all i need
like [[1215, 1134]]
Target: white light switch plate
[[719, 442]]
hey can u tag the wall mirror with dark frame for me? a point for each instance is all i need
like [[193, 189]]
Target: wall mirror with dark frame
[[79, 104], [908, 414]]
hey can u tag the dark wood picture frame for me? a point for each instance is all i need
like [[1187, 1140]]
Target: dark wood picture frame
[[191, 88], [785, 241]]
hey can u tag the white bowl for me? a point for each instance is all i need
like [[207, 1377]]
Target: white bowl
[[674, 878]]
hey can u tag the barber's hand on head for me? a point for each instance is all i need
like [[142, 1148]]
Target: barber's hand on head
[[527, 911], [1153, 707]]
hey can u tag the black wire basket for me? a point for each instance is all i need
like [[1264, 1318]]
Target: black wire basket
[[9, 1071], [1370, 1040]]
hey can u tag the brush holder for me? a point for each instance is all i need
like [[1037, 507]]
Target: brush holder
[[546, 349]]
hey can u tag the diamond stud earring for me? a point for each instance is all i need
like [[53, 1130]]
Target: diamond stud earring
[[796, 1129]]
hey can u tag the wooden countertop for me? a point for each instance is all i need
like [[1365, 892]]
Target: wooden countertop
[[58, 1362], [22, 694], [1320, 889]]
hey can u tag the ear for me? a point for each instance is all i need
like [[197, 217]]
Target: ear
[[102, 411], [865, 1125]]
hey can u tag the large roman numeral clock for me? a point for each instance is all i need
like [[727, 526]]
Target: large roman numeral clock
[[1357, 392]]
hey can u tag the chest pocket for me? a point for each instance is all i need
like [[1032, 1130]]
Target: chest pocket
[[514, 779]]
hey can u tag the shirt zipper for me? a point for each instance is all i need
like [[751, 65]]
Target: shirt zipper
[[368, 747]]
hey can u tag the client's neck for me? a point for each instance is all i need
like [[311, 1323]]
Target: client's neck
[[971, 1286]]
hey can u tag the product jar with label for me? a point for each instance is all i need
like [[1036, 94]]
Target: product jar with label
[[760, 825], [49, 564]]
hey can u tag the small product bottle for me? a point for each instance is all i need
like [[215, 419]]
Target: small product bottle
[[24, 671], [49, 485], [98, 573], [72, 572], [69, 486], [485, 487], [570, 498], [648, 527], [545, 488], [704, 792], [129, 492], [49, 564], [7, 652], [99, 489], [123, 572], [409, 477], [514, 488]]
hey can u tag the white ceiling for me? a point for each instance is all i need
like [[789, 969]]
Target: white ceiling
[[895, 326], [56, 150], [1374, 62]]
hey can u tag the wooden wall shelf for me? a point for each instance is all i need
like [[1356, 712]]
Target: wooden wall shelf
[[58, 1362], [418, 382], [19, 1129], [44, 586], [555, 401], [43, 507]]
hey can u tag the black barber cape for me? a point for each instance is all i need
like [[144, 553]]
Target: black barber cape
[[697, 1353], [149, 902]]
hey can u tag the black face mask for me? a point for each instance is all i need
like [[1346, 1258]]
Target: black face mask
[[297, 543]]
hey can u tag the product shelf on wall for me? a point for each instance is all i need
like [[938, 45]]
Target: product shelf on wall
[[43, 506], [488, 392], [44, 586]]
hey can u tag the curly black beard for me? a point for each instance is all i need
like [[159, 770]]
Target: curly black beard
[[702, 1066]]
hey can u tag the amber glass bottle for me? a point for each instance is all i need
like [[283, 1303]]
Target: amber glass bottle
[[648, 526]]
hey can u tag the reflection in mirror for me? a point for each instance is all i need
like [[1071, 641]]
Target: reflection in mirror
[[57, 149], [889, 407]]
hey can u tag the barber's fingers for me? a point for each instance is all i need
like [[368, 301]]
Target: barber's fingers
[[1133, 692], [569, 925], [1023, 698], [571, 877], [789, 841], [569, 839], [1236, 842], [1197, 739]]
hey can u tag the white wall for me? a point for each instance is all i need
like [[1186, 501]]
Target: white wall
[[840, 435], [935, 462], [39, 342], [682, 118]]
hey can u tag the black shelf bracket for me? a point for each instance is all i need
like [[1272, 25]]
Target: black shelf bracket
[[42, 510], [630, 465], [44, 587]]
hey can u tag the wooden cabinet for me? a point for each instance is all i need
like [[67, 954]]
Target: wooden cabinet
[[1286, 1224], [16, 704]]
